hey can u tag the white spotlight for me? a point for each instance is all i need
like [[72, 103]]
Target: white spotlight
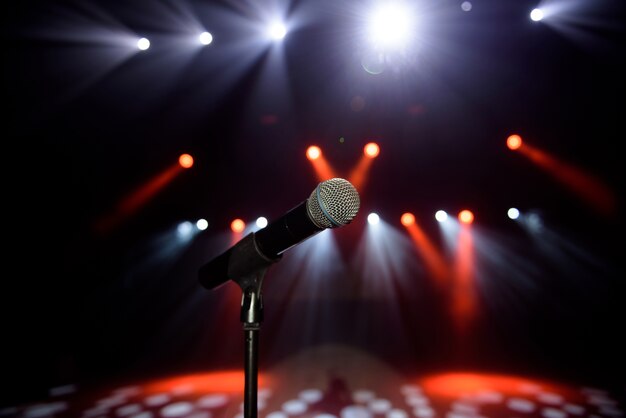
[[205, 38], [202, 224], [536, 15], [373, 218], [513, 213], [441, 216], [277, 31], [466, 6], [261, 222], [390, 25], [143, 44]]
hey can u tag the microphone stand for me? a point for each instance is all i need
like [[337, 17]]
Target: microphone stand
[[251, 317]]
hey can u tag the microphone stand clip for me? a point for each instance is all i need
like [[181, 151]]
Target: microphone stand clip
[[251, 317]]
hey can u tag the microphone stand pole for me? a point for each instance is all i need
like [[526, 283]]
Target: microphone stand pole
[[251, 318]]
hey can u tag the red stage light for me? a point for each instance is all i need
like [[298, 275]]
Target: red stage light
[[313, 152], [407, 219], [237, 225], [514, 142], [185, 160], [466, 216], [371, 150]]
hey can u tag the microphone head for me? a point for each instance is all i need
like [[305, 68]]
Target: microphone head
[[333, 203]]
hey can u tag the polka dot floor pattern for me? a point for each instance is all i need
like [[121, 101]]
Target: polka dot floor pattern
[[350, 385]]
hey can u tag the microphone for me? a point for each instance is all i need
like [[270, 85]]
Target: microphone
[[333, 203]]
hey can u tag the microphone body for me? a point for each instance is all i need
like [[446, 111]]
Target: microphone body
[[291, 229], [260, 249], [333, 203]]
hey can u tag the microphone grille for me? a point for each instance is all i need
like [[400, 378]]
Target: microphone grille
[[333, 203]]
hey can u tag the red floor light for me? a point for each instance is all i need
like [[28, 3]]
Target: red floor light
[[346, 380]]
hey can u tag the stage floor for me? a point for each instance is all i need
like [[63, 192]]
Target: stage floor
[[331, 382]]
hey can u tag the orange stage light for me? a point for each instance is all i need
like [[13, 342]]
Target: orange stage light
[[466, 216], [237, 225], [138, 198], [323, 170], [359, 174], [185, 161], [588, 187], [514, 142], [464, 297], [371, 150], [433, 259], [313, 153], [407, 219]]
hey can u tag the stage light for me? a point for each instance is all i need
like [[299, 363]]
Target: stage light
[[466, 6], [237, 225], [513, 213], [407, 219], [185, 160], [323, 169], [431, 256], [143, 44], [202, 224], [466, 216], [313, 152], [371, 150], [514, 142], [373, 218], [441, 216], [205, 38], [536, 15], [277, 31], [261, 222], [360, 173], [390, 25]]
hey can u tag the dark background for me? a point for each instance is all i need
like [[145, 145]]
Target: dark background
[[80, 306]]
